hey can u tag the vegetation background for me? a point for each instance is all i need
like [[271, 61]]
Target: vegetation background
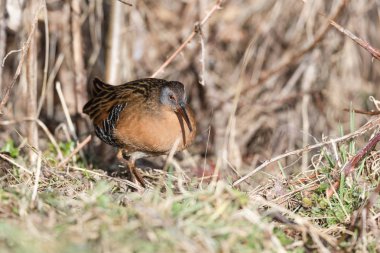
[[264, 77]]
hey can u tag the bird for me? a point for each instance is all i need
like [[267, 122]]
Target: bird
[[144, 117]]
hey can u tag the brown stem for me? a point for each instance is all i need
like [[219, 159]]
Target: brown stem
[[79, 67], [3, 39], [31, 88], [114, 36]]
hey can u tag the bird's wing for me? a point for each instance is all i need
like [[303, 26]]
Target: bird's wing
[[106, 96], [105, 99], [105, 131]]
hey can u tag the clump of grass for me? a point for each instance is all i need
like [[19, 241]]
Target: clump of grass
[[336, 214], [101, 218]]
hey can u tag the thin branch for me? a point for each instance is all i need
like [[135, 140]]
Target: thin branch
[[217, 6], [66, 111], [6, 158], [364, 44], [349, 167]]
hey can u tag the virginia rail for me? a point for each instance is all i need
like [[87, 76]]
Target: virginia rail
[[142, 118]]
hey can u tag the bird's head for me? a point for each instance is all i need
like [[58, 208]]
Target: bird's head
[[173, 96]]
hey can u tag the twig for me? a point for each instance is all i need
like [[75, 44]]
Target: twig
[[9, 54], [76, 150], [15, 164], [368, 126], [24, 51], [349, 167], [124, 2], [217, 6], [372, 113], [66, 110], [364, 44]]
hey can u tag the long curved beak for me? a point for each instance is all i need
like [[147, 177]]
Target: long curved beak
[[183, 113]]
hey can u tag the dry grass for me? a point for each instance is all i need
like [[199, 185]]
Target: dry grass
[[264, 78]]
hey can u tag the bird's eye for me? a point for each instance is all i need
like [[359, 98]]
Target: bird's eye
[[171, 97]]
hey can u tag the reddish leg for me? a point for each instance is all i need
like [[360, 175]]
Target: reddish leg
[[132, 167]]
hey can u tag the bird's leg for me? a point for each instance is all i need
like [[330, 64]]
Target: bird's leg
[[132, 168]]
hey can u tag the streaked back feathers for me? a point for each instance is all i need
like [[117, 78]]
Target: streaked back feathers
[[106, 96]]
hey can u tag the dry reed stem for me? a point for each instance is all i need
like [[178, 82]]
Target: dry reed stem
[[217, 6], [24, 51], [79, 65], [362, 130], [3, 39], [31, 75], [113, 43], [66, 111], [172, 151], [49, 82], [46, 63]]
